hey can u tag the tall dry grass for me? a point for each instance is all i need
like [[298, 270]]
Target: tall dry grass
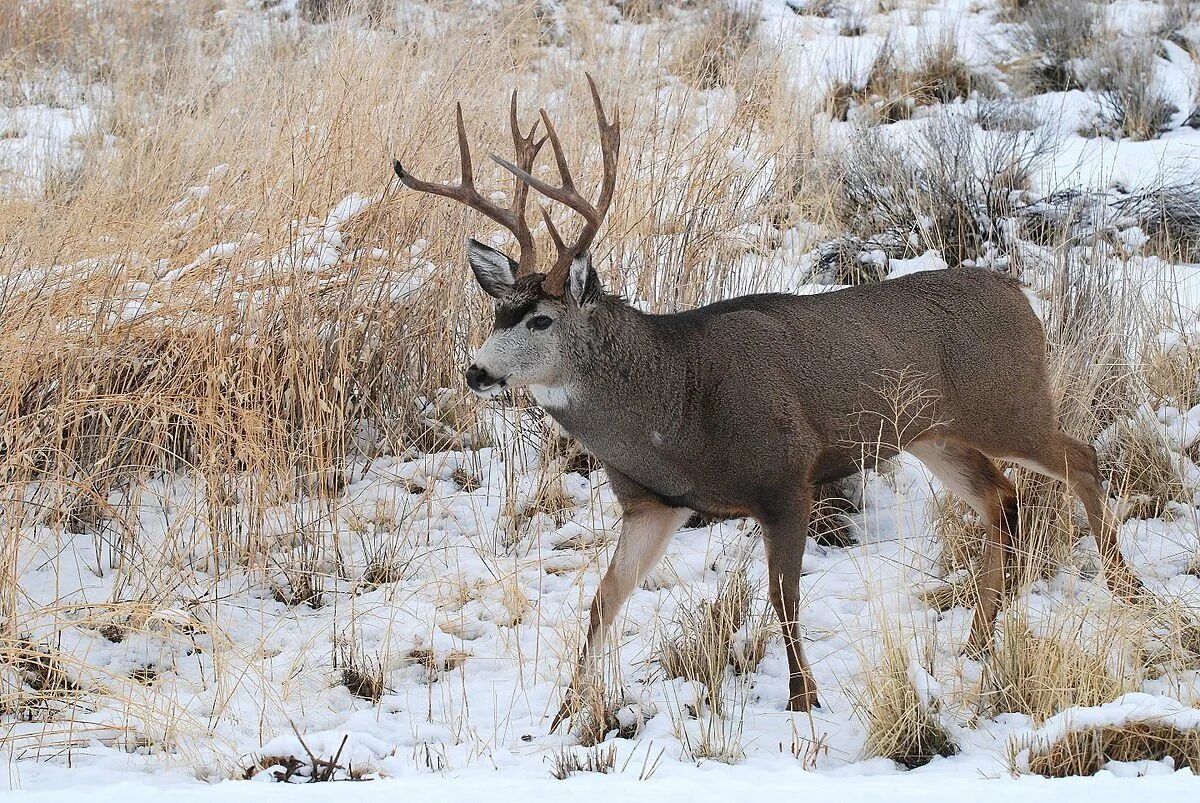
[[318, 335], [135, 347]]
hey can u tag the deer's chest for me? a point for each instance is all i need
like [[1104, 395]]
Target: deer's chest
[[642, 451]]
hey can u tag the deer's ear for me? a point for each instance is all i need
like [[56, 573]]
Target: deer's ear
[[494, 271], [583, 285]]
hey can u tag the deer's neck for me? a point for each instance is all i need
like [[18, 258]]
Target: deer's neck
[[622, 387]]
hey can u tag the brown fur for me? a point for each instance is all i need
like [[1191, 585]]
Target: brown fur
[[741, 407]]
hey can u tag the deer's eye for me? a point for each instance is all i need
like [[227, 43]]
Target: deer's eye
[[540, 322]]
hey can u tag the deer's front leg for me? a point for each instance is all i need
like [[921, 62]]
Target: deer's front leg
[[784, 534], [646, 527]]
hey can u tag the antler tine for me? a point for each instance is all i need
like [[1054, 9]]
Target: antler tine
[[554, 235], [465, 193], [568, 195], [526, 149]]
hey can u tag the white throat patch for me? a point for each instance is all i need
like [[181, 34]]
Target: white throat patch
[[552, 398]]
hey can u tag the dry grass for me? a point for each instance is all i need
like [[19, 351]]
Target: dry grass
[[1134, 104], [1050, 40], [600, 706], [260, 373], [702, 646], [1086, 751], [1172, 372], [896, 87], [1042, 673], [902, 724], [263, 368], [360, 673], [567, 761], [1143, 469], [721, 48], [948, 190]]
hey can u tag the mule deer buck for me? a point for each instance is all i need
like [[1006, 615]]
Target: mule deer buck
[[741, 407]]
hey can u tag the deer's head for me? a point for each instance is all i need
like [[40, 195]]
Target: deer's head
[[540, 308]]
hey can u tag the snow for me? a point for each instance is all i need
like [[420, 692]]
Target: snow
[[38, 140], [476, 638], [715, 784]]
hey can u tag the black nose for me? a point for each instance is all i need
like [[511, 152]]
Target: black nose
[[478, 379]]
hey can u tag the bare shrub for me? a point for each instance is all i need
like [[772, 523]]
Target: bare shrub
[[1005, 115], [902, 723], [1050, 40], [1169, 213], [1087, 750], [813, 8], [851, 260], [1174, 25], [949, 191], [1134, 105]]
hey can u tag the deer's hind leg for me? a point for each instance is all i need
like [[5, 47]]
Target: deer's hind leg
[[971, 475], [785, 532], [1064, 458]]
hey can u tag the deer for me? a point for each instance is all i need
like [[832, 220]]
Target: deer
[[742, 407]]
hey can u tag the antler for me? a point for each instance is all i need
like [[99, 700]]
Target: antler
[[568, 195], [512, 218]]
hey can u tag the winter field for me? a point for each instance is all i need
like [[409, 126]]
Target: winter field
[[256, 530]]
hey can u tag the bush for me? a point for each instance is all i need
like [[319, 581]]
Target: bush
[[1050, 40]]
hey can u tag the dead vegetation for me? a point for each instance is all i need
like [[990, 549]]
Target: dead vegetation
[[360, 673], [949, 191], [903, 721], [1087, 750], [1042, 673], [1134, 105], [264, 370], [714, 55], [567, 761], [702, 645], [309, 769], [1144, 471], [1050, 40], [895, 90]]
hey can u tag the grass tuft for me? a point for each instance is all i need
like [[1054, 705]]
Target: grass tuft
[[1087, 751], [902, 722]]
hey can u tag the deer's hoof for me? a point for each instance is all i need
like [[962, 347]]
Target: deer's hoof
[[804, 702]]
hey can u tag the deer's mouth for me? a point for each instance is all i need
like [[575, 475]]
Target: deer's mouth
[[492, 390]]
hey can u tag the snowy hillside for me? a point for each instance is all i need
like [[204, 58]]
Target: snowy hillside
[[256, 527]]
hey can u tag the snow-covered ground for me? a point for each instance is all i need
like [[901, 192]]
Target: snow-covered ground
[[474, 628]]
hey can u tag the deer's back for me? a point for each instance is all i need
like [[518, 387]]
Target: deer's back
[[826, 383]]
